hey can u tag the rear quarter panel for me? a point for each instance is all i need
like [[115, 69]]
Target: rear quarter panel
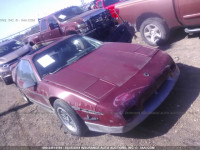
[[133, 9], [188, 11]]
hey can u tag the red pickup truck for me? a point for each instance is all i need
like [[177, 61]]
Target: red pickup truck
[[155, 18], [96, 23]]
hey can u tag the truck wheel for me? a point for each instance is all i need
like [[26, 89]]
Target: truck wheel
[[154, 31], [70, 119]]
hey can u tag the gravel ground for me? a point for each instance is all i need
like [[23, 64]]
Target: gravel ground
[[22, 124]]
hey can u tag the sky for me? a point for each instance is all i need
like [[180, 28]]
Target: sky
[[17, 15]]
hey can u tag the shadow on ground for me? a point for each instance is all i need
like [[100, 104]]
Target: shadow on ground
[[175, 36], [14, 109], [178, 102]]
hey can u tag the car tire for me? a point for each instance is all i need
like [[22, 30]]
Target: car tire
[[69, 118], [6, 81], [154, 31]]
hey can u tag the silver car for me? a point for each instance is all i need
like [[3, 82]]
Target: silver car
[[10, 52]]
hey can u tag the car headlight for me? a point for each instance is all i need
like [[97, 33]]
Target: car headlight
[[82, 25], [83, 28]]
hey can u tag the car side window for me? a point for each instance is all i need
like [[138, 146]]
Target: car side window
[[25, 72], [43, 25], [52, 20]]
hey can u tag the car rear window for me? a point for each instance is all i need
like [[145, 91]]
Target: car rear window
[[64, 53]]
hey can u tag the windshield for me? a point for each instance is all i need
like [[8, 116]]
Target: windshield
[[9, 47], [68, 13], [64, 53]]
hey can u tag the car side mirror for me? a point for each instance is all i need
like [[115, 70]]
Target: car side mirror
[[29, 83], [53, 26]]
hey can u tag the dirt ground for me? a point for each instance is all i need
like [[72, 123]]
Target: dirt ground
[[22, 124]]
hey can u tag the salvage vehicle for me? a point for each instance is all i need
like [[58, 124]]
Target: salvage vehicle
[[96, 23], [10, 52], [156, 18], [90, 85]]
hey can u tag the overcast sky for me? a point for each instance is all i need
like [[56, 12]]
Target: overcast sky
[[16, 15]]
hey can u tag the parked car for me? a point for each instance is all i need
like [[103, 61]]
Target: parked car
[[96, 23], [103, 87], [156, 18], [10, 52]]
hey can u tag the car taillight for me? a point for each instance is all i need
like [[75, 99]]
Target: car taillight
[[125, 99]]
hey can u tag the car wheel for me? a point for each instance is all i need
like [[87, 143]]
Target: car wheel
[[70, 119], [6, 81], [154, 31]]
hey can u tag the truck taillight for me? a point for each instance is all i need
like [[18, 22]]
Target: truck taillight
[[116, 13], [117, 10]]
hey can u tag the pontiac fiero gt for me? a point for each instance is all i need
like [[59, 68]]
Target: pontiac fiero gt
[[90, 85]]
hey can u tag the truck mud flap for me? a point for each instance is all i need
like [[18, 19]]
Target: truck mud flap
[[122, 33]]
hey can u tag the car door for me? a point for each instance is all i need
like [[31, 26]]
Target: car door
[[188, 11], [55, 33], [36, 93], [44, 31]]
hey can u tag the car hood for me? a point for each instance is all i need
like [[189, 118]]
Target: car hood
[[86, 15], [103, 70], [14, 55]]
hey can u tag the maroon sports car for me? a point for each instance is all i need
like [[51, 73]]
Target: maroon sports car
[[103, 87]]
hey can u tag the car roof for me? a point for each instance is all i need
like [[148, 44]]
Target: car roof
[[6, 42]]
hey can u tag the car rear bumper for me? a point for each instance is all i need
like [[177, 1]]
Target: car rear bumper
[[154, 101]]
